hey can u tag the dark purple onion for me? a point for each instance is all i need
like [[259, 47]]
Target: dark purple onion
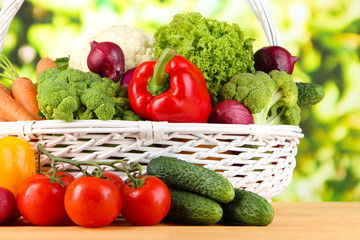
[[274, 58], [230, 111], [106, 59], [127, 77]]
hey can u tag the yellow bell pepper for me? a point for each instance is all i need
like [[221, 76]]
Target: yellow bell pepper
[[17, 162]]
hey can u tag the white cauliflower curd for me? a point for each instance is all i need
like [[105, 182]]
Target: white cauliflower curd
[[135, 43]]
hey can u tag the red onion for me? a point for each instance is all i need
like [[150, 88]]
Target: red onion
[[106, 59], [8, 211], [274, 58], [127, 77], [231, 111]]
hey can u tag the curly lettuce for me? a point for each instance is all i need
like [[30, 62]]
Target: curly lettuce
[[219, 49]]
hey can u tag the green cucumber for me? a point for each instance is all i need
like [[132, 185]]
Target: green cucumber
[[248, 209], [309, 93], [182, 175], [193, 209]]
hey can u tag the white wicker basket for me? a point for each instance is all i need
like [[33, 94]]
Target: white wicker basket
[[258, 158]]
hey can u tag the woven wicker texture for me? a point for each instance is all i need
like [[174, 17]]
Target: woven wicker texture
[[257, 158]]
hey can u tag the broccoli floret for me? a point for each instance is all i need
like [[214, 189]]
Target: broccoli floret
[[271, 98], [57, 99], [130, 116], [99, 102], [73, 94], [248, 89]]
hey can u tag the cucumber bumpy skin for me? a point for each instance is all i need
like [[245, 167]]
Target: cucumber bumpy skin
[[190, 208], [309, 93], [248, 209], [182, 175]]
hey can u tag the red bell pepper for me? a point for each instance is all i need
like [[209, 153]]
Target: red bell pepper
[[171, 89]]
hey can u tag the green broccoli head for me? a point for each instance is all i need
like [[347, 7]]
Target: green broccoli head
[[48, 75], [219, 49], [283, 108], [287, 91], [72, 94], [271, 98], [99, 102], [248, 89], [57, 99]]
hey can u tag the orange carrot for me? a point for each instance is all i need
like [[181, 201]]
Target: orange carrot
[[5, 89], [12, 109], [23, 89], [24, 92], [44, 64]]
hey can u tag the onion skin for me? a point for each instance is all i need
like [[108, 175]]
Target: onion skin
[[127, 77], [231, 112], [274, 58], [106, 59]]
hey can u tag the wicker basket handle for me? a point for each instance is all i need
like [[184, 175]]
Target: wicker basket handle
[[267, 22], [7, 13], [11, 7]]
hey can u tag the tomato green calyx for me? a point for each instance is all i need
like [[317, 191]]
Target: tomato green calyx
[[137, 182], [53, 178], [133, 172], [159, 82]]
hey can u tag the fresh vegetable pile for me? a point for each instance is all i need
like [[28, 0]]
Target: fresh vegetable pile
[[179, 74], [192, 70]]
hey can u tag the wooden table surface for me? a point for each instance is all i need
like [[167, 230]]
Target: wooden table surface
[[295, 220]]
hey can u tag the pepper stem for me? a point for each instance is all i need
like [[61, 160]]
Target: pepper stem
[[159, 82], [134, 167]]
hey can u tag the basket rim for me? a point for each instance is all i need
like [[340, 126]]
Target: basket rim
[[23, 128]]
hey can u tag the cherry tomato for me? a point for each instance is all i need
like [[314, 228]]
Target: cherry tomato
[[41, 202], [115, 179], [92, 202], [146, 205]]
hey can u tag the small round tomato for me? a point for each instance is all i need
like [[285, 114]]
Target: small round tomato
[[115, 179], [148, 204], [92, 202], [41, 202], [66, 179]]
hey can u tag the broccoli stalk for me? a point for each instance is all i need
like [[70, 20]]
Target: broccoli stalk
[[275, 96]]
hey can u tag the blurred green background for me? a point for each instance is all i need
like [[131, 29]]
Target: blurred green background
[[325, 34]]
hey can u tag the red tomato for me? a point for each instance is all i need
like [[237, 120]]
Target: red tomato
[[41, 202], [146, 205], [115, 179], [67, 179], [92, 202]]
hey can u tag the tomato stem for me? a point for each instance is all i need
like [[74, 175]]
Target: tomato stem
[[134, 167]]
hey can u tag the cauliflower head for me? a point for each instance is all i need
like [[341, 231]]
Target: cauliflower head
[[135, 43]]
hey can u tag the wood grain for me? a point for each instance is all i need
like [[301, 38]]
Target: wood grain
[[326, 220]]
